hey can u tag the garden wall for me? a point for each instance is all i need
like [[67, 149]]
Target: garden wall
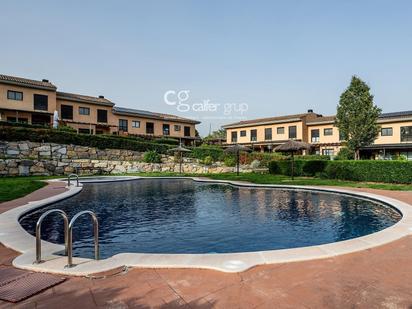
[[31, 158]]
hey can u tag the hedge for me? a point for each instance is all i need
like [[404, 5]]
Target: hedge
[[362, 170], [370, 170], [62, 137], [301, 167], [216, 153]]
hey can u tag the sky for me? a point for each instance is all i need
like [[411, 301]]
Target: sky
[[215, 61]]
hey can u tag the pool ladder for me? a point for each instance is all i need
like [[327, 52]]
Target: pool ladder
[[68, 231]]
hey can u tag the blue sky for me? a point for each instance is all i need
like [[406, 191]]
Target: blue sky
[[278, 57]]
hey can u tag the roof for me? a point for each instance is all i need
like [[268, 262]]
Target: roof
[[321, 120], [148, 114], [83, 98], [404, 114], [260, 121], [18, 81], [382, 117]]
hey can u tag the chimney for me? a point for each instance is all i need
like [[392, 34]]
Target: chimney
[[101, 96], [310, 110], [45, 80]]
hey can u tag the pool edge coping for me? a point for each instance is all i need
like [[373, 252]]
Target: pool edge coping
[[13, 236]]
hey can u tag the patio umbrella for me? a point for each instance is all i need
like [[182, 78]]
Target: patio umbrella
[[236, 149], [180, 150], [292, 146]]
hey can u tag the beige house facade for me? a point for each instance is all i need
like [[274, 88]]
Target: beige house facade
[[34, 102], [395, 137]]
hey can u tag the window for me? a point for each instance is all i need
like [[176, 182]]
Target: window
[[386, 132], [292, 132], [149, 127], [14, 95], [84, 111], [268, 134], [102, 115], [406, 134], [187, 131], [280, 130], [177, 127], [243, 133], [328, 131], [234, 136], [86, 131], [166, 129], [327, 152], [11, 119], [253, 135], [66, 111], [123, 125], [135, 124], [314, 135], [40, 102]]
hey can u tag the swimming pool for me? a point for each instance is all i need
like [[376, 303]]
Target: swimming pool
[[184, 216]]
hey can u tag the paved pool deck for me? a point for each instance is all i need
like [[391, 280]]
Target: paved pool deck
[[380, 277]]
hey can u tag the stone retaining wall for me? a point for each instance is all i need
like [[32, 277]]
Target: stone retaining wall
[[27, 158]]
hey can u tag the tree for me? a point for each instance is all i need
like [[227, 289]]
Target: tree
[[221, 133], [357, 116]]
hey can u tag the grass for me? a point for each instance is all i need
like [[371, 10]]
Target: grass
[[15, 187]]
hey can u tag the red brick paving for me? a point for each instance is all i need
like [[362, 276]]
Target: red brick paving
[[376, 278]]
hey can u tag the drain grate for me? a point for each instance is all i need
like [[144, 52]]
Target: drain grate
[[16, 285]]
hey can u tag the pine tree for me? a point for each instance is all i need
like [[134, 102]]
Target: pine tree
[[357, 116]]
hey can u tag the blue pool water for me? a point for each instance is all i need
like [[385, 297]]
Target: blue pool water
[[183, 216]]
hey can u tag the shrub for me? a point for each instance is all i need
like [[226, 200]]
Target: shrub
[[370, 170], [312, 157], [66, 129], [301, 167], [216, 153], [152, 157], [207, 160], [345, 154], [230, 161], [313, 167], [166, 141], [62, 137]]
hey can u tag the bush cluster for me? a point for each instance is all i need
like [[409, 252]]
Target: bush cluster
[[362, 170], [370, 170], [216, 153], [10, 133], [152, 157], [301, 167]]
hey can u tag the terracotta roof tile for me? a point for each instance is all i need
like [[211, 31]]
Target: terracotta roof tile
[[143, 113], [83, 98], [13, 80]]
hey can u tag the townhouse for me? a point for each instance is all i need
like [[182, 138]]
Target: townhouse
[[34, 102], [264, 134]]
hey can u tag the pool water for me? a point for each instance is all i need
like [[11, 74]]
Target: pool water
[[184, 216]]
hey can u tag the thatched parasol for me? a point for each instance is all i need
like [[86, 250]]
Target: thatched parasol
[[292, 146], [236, 149], [180, 150]]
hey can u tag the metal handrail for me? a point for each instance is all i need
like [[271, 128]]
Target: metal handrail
[[38, 231], [70, 176], [95, 232]]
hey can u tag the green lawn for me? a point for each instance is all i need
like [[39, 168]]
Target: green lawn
[[15, 187]]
